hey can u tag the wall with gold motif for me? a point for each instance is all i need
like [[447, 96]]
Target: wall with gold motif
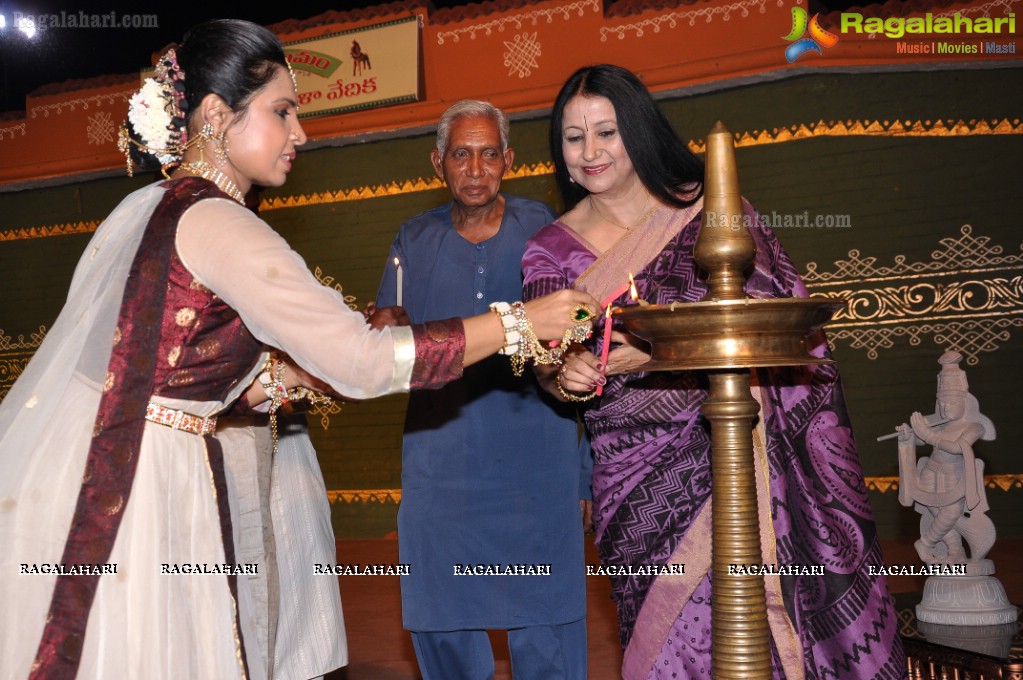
[[911, 170]]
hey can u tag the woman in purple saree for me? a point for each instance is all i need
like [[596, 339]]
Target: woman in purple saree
[[634, 198]]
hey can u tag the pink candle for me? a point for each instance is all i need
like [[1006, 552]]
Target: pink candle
[[606, 303], [607, 345]]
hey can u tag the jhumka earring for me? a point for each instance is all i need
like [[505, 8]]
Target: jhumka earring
[[220, 148], [205, 135]]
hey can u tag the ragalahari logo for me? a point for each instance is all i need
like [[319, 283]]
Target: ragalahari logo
[[800, 45]]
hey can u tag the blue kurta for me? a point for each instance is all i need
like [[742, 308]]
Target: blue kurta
[[492, 470]]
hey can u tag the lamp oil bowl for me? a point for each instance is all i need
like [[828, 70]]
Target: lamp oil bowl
[[745, 333], [726, 334], [726, 329]]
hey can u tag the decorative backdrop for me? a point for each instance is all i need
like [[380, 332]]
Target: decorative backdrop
[[893, 184]]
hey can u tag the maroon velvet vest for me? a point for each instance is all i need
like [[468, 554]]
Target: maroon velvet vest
[[174, 338]]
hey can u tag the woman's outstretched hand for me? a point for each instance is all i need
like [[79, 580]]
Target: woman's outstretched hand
[[630, 355], [296, 376], [582, 371], [551, 315]]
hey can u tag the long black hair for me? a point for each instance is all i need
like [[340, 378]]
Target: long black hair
[[231, 58], [663, 162]]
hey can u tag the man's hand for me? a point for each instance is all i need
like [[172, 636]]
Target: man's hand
[[587, 509], [385, 316], [296, 376]]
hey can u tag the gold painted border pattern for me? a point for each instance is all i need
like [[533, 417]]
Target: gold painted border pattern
[[969, 338], [345, 195], [956, 254], [974, 313], [349, 496], [52, 230], [15, 354], [883, 485], [874, 128], [325, 411], [1011, 482], [518, 20], [673, 19]]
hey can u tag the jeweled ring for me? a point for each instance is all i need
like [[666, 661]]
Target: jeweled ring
[[582, 313]]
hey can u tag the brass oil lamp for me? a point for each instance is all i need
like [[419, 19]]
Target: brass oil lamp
[[726, 334]]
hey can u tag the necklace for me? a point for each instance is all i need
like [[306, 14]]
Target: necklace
[[223, 182], [643, 218]]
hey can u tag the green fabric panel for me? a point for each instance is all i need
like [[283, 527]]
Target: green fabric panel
[[903, 196]]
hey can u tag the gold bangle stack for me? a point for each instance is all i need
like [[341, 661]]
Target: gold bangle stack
[[522, 343], [272, 380], [568, 395]]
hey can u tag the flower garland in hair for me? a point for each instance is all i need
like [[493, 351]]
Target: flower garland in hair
[[157, 114], [148, 115]]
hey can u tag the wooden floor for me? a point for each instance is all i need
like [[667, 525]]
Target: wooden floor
[[379, 649]]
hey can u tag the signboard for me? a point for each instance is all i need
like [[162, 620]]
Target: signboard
[[358, 69]]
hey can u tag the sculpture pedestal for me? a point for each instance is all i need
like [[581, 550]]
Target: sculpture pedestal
[[977, 599], [936, 652], [995, 640]]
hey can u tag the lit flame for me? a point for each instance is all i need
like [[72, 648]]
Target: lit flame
[[634, 293], [396, 262]]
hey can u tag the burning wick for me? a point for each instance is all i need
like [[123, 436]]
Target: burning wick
[[399, 275], [634, 294]]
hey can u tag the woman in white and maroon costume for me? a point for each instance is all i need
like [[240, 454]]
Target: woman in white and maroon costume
[[107, 455]]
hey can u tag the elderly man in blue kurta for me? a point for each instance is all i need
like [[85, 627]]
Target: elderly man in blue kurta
[[494, 473]]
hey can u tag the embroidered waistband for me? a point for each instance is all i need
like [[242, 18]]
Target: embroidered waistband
[[179, 420]]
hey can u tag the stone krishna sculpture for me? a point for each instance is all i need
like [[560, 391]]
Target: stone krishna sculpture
[[947, 489]]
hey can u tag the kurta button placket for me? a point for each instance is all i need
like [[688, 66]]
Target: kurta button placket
[[480, 278]]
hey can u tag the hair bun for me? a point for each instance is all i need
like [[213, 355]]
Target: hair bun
[[156, 123]]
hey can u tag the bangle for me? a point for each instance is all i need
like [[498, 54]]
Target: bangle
[[567, 395], [509, 324], [276, 391], [266, 381], [314, 398], [522, 344], [529, 346], [272, 380]]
